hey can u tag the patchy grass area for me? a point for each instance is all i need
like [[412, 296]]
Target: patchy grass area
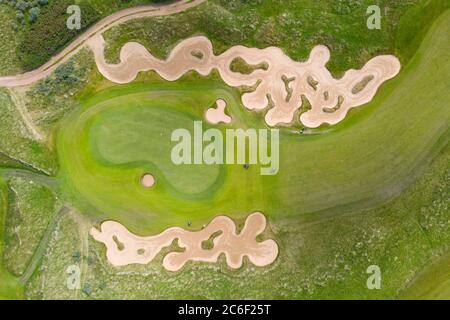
[[50, 281], [10, 288], [16, 141], [9, 61], [32, 33], [50, 99], [30, 210], [415, 24]]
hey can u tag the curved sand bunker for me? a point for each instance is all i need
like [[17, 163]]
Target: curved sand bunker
[[217, 115], [120, 17], [148, 180], [124, 248], [279, 87]]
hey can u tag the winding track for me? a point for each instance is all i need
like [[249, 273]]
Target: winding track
[[100, 27]]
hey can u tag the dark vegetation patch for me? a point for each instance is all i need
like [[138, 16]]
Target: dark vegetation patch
[[241, 66], [49, 34]]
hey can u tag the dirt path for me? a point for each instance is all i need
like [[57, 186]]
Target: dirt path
[[280, 87], [18, 99], [42, 178], [124, 248], [103, 25]]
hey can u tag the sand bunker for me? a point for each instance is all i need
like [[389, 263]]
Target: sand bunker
[[148, 180], [117, 18], [280, 86], [217, 115], [124, 248]]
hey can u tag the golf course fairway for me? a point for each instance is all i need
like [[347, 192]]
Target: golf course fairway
[[433, 283]]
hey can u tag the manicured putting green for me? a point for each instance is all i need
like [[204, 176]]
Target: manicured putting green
[[126, 134]]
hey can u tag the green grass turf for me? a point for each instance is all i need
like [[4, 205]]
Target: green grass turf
[[31, 208], [433, 283], [9, 285], [112, 168], [322, 260], [20, 146], [362, 162], [9, 62]]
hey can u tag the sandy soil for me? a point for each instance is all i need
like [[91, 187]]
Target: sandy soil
[[284, 81], [218, 115], [100, 27], [148, 180], [133, 249]]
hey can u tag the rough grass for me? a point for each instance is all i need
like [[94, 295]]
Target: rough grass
[[65, 243], [341, 26], [9, 285], [9, 62], [27, 46], [51, 98], [415, 24], [17, 143], [49, 34], [105, 8], [31, 208]]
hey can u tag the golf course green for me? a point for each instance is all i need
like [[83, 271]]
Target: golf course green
[[122, 133], [83, 146]]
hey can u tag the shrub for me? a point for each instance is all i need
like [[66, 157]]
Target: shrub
[[49, 32], [22, 5], [33, 14]]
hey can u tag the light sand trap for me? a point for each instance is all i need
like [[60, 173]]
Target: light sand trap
[[148, 180], [217, 115], [281, 85], [153, 10], [124, 248]]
